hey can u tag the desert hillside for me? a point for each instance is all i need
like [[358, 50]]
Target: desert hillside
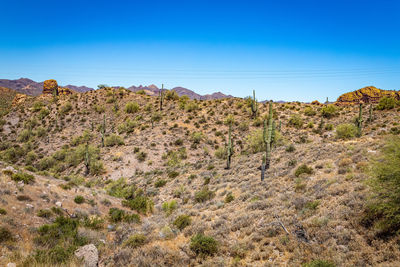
[[147, 184]]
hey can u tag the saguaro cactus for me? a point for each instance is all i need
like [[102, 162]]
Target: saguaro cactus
[[161, 96], [263, 168], [254, 105], [229, 150], [87, 159], [103, 130], [359, 121], [370, 119], [269, 136]]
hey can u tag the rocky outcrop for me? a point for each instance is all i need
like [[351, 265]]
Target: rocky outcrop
[[50, 86], [368, 94], [19, 99]]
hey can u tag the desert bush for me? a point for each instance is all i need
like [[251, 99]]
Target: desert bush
[[296, 121], [255, 141], [386, 103], [229, 197], [66, 108], [79, 199], [113, 140], [182, 221], [171, 95], [135, 241], [197, 137], [383, 211], [160, 183], [120, 188], [60, 239], [303, 169], [318, 263], [346, 131], [24, 177], [132, 107], [329, 111], [140, 203], [44, 213], [309, 111], [141, 156], [203, 245], [127, 127], [203, 195], [5, 234], [24, 135], [118, 215], [169, 207], [3, 211], [220, 153]]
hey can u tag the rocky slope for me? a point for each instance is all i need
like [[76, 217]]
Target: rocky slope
[[166, 170], [368, 94]]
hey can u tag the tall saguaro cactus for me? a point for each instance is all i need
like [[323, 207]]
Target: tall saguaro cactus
[[359, 121], [370, 119], [229, 150], [268, 137], [254, 105], [103, 130], [87, 159], [161, 96]]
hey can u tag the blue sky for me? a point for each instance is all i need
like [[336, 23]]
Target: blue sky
[[285, 50]]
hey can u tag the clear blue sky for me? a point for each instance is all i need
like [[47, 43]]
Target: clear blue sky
[[285, 50]]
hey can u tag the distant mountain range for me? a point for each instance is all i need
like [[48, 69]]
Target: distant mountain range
[[30, 87]]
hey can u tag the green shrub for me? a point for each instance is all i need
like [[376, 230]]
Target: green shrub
[[141, 204], [303, 169], [24, 177], [255, 141], [169, 207], [135, 241], [383, 211], [116, 215], [5, 234], [197, 137], [44, 213], [309, 111], [132, 107], [67, 107], [79, 199], [182, 221], [229, 197], [24, 135], [203, 245], [160, 183], [203, 195], [386, 103], [296, 121], [318, 263], [120, 188], [329, 111], [346, 131], [3, 211], [141, 156], [113, 140]]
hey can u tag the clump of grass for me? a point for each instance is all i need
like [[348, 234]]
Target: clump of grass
[[113, 140], [79, 199], [229, 197], [346, 131], [203, 245], [169, 207], [44, 213], [160, 183], [318, 263], [135, 241], [24, 177], [203, 195], [303, 169], [132, 107], [5, 234], [182, 221]]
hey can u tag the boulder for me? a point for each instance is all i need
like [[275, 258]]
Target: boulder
[[89, 254], [50, 86]]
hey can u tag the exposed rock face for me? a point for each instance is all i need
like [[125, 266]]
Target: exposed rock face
[[64, 91], [89, 254], [368, 94], [19, 99], [49, 86]]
